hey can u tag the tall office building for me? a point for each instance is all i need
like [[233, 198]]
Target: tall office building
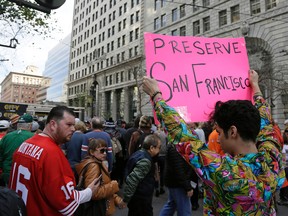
[[57, 67], [107, 55]]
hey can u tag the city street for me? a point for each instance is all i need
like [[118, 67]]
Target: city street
[[158, 202]]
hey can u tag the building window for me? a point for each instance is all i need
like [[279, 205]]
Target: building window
[[123, 40], [255, 7], [131, 19], [137, 16], [195, 7], [174, 15], [206, 24], [196, 27], [222, 18], [163, 20], [125, 7], [156, 23], [206, 3], [118, 42], [123, 56], [130, 52], [156, 4], [124, 23], [131, 36], [136, 33], [182, 11], [136, 50], [118, 58], [110, 80], [174, 32], [130, 74], [119, 26], [122, 76], [235, 14], [270, 4], [183, 31]]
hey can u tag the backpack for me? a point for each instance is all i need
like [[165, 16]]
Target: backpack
[[116, 145], [11, 204]]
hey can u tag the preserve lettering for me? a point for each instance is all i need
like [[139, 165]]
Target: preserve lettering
[[196, 46]]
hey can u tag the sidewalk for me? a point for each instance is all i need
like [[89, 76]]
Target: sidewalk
[[158, 202]]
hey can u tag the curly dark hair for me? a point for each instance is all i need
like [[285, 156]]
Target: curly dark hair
[[240, 113]]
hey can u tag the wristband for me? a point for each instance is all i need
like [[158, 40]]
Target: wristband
[[154, 95], [258, 94]]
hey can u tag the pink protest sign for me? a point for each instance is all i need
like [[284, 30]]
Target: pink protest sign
[[195, 72]]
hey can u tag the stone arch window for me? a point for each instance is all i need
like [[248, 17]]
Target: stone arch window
[[260, 59]]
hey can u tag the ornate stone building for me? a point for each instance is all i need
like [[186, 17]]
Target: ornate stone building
[[107, 57], [25, 87]]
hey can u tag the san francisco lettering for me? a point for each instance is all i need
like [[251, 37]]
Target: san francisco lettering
[[212, 85]]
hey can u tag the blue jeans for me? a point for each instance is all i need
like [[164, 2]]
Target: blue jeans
[[177, 201]]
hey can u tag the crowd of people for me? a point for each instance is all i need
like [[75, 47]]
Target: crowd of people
[[236, 156]]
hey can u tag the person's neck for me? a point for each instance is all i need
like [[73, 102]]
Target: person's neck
[[46, 134], [97, 130], [246, 148]]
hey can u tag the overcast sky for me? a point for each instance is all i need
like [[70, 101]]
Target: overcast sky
[[33, 50]]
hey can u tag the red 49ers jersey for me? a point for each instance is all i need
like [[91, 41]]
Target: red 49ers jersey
[[42, 176]]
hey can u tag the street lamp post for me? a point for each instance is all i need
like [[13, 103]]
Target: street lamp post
[[93, 93]]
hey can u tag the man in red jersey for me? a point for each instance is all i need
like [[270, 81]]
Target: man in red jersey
[[41, 174]]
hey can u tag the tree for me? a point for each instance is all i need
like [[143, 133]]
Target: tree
[[272, 81], [137, 68], [20, 20]]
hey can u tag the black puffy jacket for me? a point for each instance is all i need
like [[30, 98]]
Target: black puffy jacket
[[178, 173]]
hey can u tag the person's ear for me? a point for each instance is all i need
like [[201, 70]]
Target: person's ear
[[233, 131], [53, 124], [90, 152]]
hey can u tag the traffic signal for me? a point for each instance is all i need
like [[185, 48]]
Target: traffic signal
[[51, 4]]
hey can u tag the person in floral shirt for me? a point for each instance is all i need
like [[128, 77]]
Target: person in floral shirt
[[245, 179]]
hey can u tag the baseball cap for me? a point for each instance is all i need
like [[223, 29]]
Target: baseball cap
[[14, 118], [286, 122], [35, 126], [109, 124], [4, 124], [26, 118]]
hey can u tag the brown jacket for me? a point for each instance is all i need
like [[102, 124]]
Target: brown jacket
[[136, 135], [107, 189]]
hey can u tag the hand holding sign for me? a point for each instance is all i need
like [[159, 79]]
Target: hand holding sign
[[194, 73], [150, 86]]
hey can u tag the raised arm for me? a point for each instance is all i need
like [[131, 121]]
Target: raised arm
[[178, 130], [267, 141]]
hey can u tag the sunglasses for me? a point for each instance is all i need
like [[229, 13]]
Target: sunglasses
[[102, 151]]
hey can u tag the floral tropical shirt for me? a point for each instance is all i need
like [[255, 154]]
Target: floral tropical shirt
[[239, 185]]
